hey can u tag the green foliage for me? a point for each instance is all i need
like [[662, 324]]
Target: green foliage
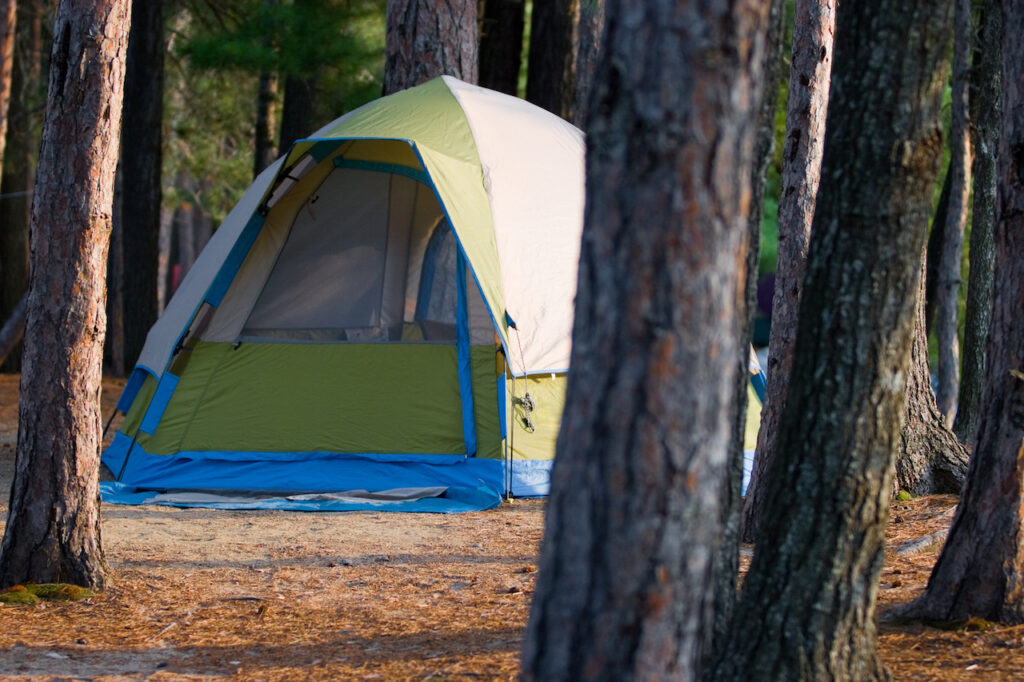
[[217, 52], [339, 43]]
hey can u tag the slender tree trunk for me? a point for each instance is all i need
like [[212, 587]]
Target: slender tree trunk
[[429, 38], [501, 44], [986, 86], [809, 78], [113, 352], [264, 152], [266, 95], [930, 460], [588, 47], [53, 529], [980, 568], [635, 513], [934, 253], [297, 112], [141, 162], [13, 328], [8, 17], [727, 559], [551, 72], [808, 601], [22, 142], [948, 293]]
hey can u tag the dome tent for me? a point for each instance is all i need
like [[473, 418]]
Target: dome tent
[[371, 316]]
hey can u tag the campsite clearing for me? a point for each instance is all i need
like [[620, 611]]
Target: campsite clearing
[[205, 594]]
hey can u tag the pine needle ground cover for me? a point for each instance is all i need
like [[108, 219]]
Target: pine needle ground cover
[[205, 594]]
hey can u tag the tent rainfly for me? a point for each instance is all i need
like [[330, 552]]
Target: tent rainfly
[[382, 321]]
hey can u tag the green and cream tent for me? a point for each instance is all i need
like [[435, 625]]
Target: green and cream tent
[[384, 319], [388, 307]]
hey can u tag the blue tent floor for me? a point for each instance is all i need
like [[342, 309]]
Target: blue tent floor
[[292, 480], [450, 501]]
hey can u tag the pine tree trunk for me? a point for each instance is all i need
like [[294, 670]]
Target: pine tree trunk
[[986, 86], [8, 17], [297, 112], [588, 47], [53, 529], [930, 460], [429, 38], [264, 151], [141, 163], [808, 601], [948, 292], [22, 142], [727, 559], [501, 44], [809, 78], [980, 568], [551, 72], [635, 514]]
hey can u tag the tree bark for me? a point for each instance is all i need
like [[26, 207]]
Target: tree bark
[[551, 70], [809, 79], [930, 459], [429, 38], [19, 162], [53, 529], [934, 253], [264, 150], [13, 329], [808, 601], [141, 163], [8, 18], [635, 514], [501, 44], [588, 47], [986, 86], [948, 291], [728, 559], [980, 568], [297, 112]]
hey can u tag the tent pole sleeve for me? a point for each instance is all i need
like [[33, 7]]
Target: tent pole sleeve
[[463, 355]]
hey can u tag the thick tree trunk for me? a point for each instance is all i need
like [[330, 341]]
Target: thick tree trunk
[[727, 558], [809, 78], [986, 86], [980, 568], [22, 143], [141, 162], [635, 513], [551, 72], [429, 38], [53, 529], [501, 44], [588, 47], [948, 283], [930, 459], [808, 601]]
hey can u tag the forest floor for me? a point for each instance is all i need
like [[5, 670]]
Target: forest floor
[[203, 594]]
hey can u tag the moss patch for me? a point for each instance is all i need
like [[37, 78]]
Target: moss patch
[[33, 594]]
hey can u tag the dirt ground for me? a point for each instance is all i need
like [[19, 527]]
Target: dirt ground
[[205, 594]]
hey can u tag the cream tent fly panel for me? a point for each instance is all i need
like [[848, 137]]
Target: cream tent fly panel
[[371, 317]]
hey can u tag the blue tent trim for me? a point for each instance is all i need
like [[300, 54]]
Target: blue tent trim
[[298, 472]]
